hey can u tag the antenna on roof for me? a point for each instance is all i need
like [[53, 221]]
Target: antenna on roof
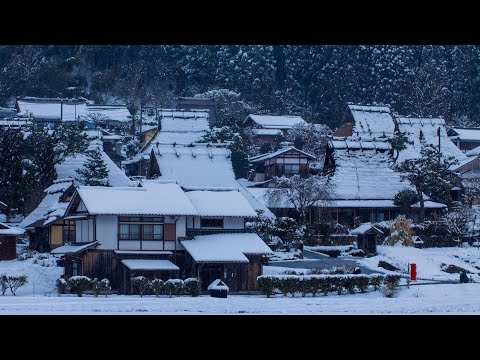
[[193, 152]]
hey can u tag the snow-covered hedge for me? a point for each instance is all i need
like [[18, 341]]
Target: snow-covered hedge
[[140, 285], [157, 286], [79, 284], [101, 287], [173, 287], [313, 284], [192, 286], [61, 285]]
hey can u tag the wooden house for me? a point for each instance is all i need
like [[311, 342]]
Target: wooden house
[[150, 224], [174, 127], [193, 103], [284, 162], [271, 129], [466, 138], [8, 241], [109, 116]]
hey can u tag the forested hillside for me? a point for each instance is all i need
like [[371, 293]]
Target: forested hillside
[[312, 81]]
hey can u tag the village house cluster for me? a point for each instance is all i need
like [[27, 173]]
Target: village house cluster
[[175, 208]]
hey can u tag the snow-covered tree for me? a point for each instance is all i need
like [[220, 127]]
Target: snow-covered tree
[[404, 199], [398, 143], [310, 138], [94, 171], [459, 221], [302, 193], [430, 174], [471, 189], [400, 232]]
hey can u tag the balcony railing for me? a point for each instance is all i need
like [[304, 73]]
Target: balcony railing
[[196, 232]]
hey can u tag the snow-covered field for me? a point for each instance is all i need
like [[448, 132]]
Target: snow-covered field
[[438, 298], [429, 261], [445, 298]]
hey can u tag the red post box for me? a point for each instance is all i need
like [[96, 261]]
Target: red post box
[[413, 272]]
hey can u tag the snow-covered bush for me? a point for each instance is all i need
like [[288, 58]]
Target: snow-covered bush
[[61, 285], [267, 285], [140, 285], [376, 281], [101, 287], [157, 286], [400, 232], [362, 284], [192, 286], [173, 287], [79, 284], [391, 285]]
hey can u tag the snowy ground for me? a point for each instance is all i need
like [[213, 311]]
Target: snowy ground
[[434, 298], [429, 261], [445, 298]]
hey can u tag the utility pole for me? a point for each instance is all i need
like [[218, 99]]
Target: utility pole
[[439, 148]]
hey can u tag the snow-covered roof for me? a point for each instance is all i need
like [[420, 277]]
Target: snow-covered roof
[[225, 247], [365, 175], [151, 199], [465, 134], [256, 204], [428, 204], [67, 168], [221, 203], [428, 128], [70, 249], [349, 144], [267, 132], [50, 208], [143, 252], [264, 157], [16, 123], [474, 152], [152, 265], [363, 228], [197, 166], [10, 230], [218, 284], [111, 112], [372, 121], [51, 108], [276, 122]]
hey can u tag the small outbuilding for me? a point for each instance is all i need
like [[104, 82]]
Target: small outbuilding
[[367, 237], [8, 241]]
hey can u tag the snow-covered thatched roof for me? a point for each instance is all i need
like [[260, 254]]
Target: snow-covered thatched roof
[[372, 121], [196, 166], [51, 207], [149, 265], [280, 152], [111, 112], [10, 230], [283, 122], [464, 133], [51, 108]]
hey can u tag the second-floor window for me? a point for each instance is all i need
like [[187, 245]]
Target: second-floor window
[[211, 223], [140, 228], [292, 169]]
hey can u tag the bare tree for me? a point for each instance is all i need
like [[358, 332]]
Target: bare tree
[[302, 193]]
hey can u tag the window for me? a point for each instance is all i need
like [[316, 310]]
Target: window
[[211, 223], [140, 228], [74, 268], [292, 169]]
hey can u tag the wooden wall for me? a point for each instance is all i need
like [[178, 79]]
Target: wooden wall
[[8, 247]]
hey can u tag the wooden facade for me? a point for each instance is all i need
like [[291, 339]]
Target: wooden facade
[[8, 247]]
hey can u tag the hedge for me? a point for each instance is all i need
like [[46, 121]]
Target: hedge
[[313, 284]]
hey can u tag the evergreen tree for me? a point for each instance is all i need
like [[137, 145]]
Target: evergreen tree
[[430, 174], [94, 171], [12, 170], [398, 143]]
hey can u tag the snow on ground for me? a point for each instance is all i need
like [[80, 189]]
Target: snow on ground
[[429, 261], [277, 270], [41, 277], [444, 298], [292, 254]]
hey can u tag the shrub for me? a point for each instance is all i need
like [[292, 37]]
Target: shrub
[[173, 287], [266, 285], [79, 284], [391, 285], [140, 285], [61, 285], [325, 286], [375, 281], [304, 286], [313, 285], [3, 283], [192, 286], [16, 281], [349, 284], [362, 283], [100, 286], [157, 286], [338, 285], [289, 285]]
